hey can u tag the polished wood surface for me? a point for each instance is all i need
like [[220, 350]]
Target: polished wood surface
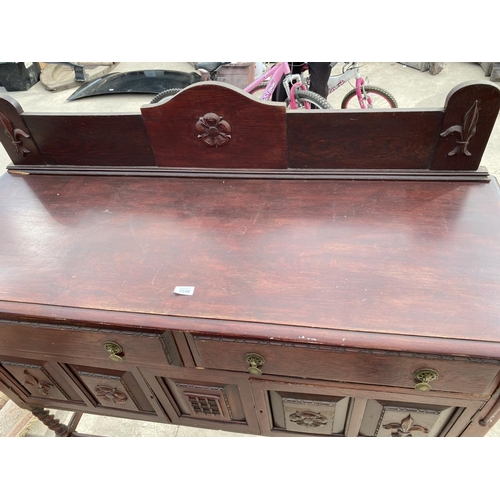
[[401, 257]]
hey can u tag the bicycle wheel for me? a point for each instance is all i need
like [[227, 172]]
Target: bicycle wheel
[[303, 96], [380, 99], [163, 94]]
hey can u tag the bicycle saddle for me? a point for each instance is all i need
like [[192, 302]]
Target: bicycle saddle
[[210, 66]]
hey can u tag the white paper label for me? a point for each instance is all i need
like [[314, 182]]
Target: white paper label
[[184, 290]]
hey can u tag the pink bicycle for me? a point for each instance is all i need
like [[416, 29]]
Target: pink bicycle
[[362, 96], [298, 95]]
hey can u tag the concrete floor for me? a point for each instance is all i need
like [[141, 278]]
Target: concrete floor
[[410, 87]]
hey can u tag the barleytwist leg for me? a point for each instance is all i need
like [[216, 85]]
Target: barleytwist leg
[[51, 422]]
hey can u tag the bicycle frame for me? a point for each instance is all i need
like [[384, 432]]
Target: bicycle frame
[[275, 74], [336, 81]]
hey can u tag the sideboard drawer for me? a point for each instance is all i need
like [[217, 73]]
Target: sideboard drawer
[[100, 345], [312, 361]]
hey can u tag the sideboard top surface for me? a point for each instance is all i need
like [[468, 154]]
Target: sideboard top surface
[[403, 257]]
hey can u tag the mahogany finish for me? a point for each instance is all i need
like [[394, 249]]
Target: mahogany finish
[[84, 140], [329, 283], [204, 121]]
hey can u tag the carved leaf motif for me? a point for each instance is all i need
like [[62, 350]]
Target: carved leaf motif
[[7, 125], [13, 134], [465, 131], [42, 386], [470, 122], [405, 428]]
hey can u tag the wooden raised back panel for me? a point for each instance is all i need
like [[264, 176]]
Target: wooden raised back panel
[[91, 140], [397, 138], [362, 139], [212, 126]]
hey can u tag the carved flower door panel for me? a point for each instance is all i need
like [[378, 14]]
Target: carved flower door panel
[[38, 380], [310, 414], [293, 409], [113, 389], [402, 419]]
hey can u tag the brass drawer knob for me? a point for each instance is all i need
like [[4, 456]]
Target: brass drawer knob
[[254, 361], [114, 350], [425, 376]]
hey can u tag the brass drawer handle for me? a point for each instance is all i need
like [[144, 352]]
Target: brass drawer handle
[[254, 361], [425, 376], [114, 350]]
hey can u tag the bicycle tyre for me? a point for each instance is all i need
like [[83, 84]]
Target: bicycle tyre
[[163, 94], [380, 99], [301, 96], [312, 98]]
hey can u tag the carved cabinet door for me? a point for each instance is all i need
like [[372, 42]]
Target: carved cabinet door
[[38, 382], [312, 408], [301, 409], [205, 398], [119, 391], [393, 418]]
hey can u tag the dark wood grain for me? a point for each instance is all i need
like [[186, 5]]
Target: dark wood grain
[[258, 138], [389, 139], [91, 140]]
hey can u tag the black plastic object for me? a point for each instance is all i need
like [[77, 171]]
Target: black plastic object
[[16, 76], [151, 81]]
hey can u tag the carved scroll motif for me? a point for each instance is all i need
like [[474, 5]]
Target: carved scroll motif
[[42, 386], [465, 131], [213, 130], [110, 394], [14, 135], [405, 428], [308, 419]]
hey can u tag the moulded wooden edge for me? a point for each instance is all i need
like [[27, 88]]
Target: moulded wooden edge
[[481, 174], [198, 85], [13, 102], [461, 86]]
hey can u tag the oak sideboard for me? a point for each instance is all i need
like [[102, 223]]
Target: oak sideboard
[[214, 261]]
